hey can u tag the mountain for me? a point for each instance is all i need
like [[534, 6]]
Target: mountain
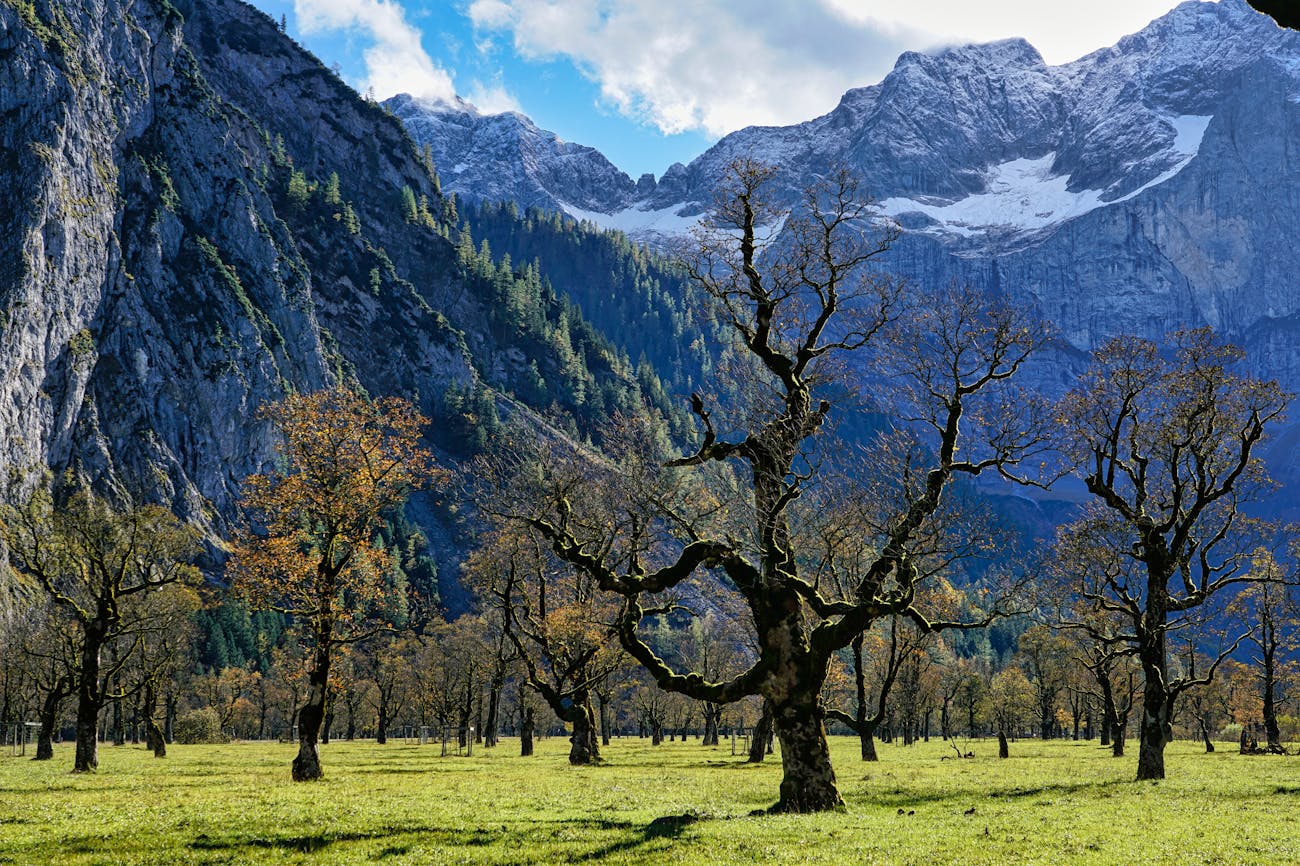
[[197, 217], [505, 157], [1146, 187]]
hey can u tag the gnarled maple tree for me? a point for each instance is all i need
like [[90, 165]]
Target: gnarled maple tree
[[794, 302], [310, 549]]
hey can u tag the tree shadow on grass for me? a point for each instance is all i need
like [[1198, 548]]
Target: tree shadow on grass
[[302, 844], [904, 799], [311, 843], [668, 827]]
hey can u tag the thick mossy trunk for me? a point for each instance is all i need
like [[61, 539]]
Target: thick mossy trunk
[[86, 759], [90, 698], [808, 780], [306, 766], [585, 742], [1156, 729], [1151, 746]]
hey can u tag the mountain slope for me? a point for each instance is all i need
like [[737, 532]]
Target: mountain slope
[[505, 157], [197, 217]]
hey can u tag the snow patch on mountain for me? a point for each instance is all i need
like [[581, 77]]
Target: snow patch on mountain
[[637, 221], [1024, 195], [1189, 130]]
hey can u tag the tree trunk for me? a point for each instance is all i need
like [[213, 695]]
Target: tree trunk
[[867, 741], [1156, 730], [762, 735], [585, 743], [86, 759], [1117, 737], [306, 767], [169, 716], [1205, 735], [1272, 731], [526, 732], [712, 721], [49, 717], [478, 717], [808, 780], [1003, 751], [603, 700], [491, 723], [153, 736], [381, 721], [90, 699], [119, 726]]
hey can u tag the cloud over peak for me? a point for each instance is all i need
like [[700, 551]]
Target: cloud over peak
[[396, 62]]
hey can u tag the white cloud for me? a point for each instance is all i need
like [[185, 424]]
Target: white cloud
[[1061, 32], [492, 98], [396, 62], [718, 65]]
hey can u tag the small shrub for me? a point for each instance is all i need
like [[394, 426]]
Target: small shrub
[[198, 726]]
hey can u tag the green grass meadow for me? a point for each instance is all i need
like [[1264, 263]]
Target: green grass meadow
[[1053, 803]]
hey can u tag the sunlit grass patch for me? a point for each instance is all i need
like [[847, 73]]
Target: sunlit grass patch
[[1052, 803]]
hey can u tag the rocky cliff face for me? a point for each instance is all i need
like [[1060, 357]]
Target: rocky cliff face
[[505, 157], [196, 217]]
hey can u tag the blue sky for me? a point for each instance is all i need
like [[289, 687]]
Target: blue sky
[[653, 82]]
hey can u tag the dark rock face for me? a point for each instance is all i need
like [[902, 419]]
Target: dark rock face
[[169, 260]]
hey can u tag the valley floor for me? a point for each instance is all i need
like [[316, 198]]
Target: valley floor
[[1057, 803]]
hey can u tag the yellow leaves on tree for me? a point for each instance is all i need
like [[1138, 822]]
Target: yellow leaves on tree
[[310, 551]]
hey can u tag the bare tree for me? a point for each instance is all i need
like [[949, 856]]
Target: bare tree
[[559, 624], [1166, 446], [1269, 608], [795, 306], [100, 565]]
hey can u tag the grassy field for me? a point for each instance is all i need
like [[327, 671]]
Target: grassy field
[[1055, 803]]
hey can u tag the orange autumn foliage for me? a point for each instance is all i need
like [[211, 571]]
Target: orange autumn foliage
[[311, 548]]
